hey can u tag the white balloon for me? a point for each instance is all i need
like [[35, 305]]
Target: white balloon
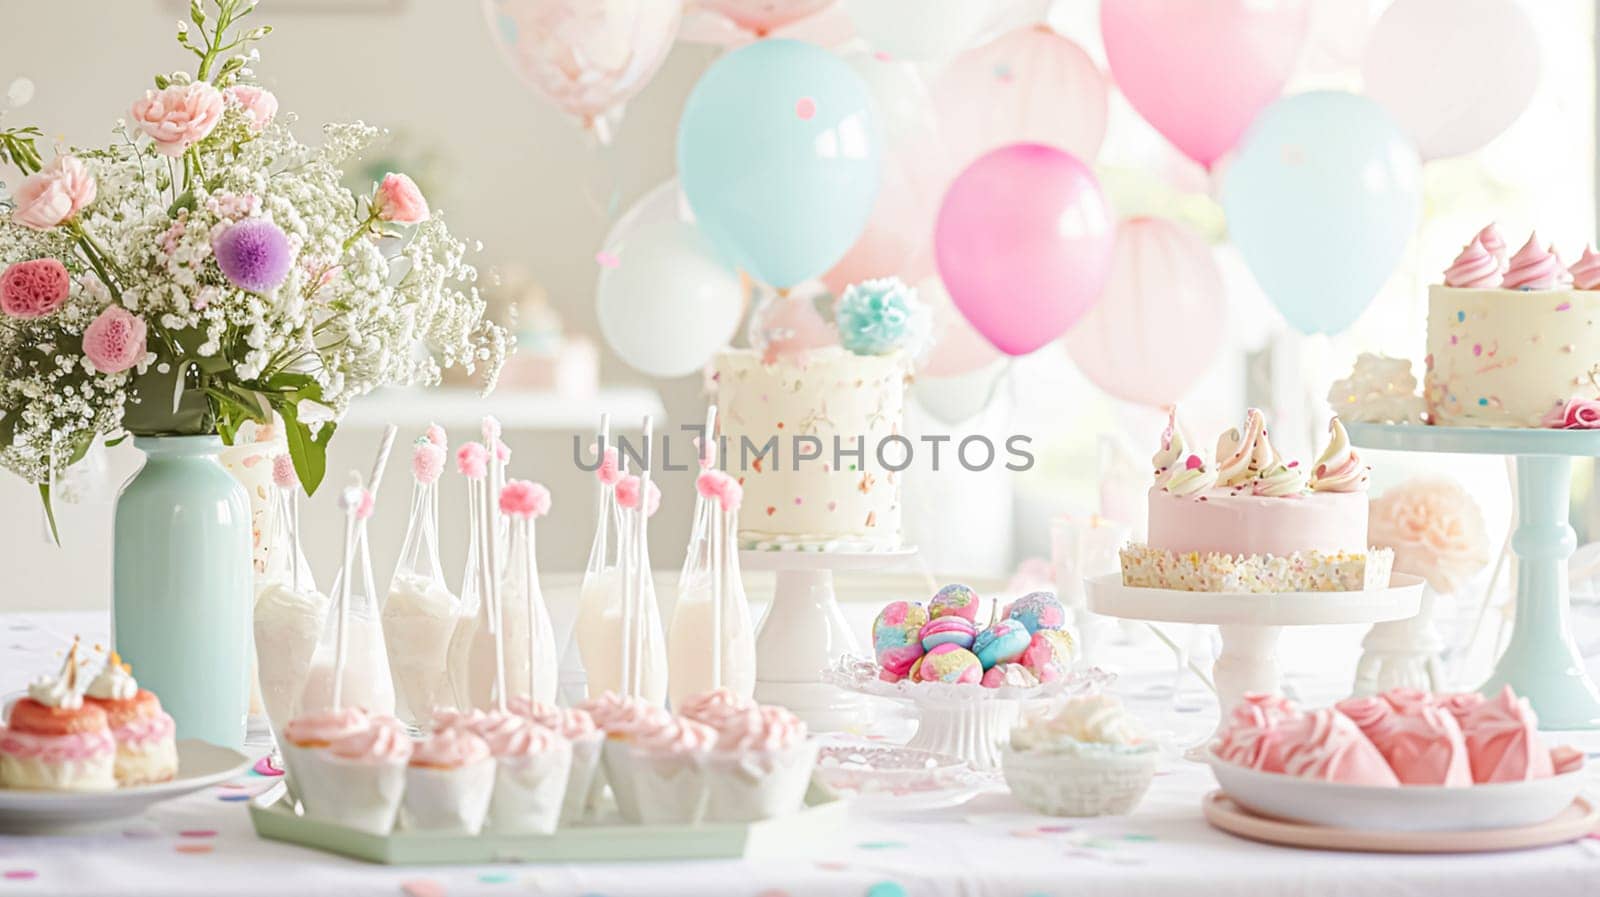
[[1452, 73], [957, 399], [921, 30], [666, 303]]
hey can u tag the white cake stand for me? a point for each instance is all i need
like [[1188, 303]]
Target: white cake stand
[[804, 631], [1251, 623]]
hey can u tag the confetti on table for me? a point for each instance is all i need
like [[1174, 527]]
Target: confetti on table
[[886, 889], [832, 865], [422, 887], [1055, 829], [607, 260], [265, 767], [233, 798], [198, 833], [805, 107], [773, 892], [882, 845], [192, 848], [141, 833], [19, 875], [495, 878], [882, 56], [1136, 836]]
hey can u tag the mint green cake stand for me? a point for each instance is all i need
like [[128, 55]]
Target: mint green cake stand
[[1542, 662]]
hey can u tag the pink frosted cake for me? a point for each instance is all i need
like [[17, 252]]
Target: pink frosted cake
[[1251, 522]]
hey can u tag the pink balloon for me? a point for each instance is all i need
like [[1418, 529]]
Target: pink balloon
[[1200, 70], [1023, 244], [1030, 85], [957, 348], [1452, 74], [1159, 323], [587, 58], [762, 16]]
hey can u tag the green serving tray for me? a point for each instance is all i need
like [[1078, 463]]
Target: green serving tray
[[802, 834]]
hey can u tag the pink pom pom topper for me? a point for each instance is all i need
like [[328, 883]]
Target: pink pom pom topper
[[436, 435], [609, 472], [628, 495], [283, 472], [502, 452], [522, 498], [365, 506], [427, 461], [472, 460], [720, 486], [491, 429]]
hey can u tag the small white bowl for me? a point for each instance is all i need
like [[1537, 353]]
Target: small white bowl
[[1085, 782], [1408, 808]]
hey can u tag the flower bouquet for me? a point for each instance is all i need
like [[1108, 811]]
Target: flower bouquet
[[206, 268]]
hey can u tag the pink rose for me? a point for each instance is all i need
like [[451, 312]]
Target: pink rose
[[399, 200], [53, 194], [34, 288], [179, 116], [257, 104], [1434, 528], [114, 341], [1576, 414]]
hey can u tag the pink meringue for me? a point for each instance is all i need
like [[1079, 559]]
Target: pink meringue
[[1532, 268], [1326, 745], [1565, 759], [1502, 735], [1474, 269], [1492, 241], [1421, 742], [1586, 270]]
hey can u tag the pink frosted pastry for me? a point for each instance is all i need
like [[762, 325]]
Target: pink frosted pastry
[[359, 779], [1459, 705], [1049, 654], [1420, 741], [760, 767], [949, 630], [950, 663], [1250, 723], [1502, 735], [1325, 745], [896, 636], [147, 751], [1585, 271], [1534, 267], [1565, 758], [1474, 269], [579, 729], [622, 718], [954, 600], [714, 706], [448, 782], [532, 765]]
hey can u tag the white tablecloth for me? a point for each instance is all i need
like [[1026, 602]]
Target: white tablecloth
[[991, 847]]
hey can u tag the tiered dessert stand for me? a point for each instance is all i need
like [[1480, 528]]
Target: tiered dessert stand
[[804, 632], [1541, 662], [1251, 623]]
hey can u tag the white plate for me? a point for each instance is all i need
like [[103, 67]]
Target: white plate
[[1408, 808], [881, 778], [200, 765]]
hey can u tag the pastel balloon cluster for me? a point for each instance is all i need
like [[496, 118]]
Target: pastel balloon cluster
[[942, 642]]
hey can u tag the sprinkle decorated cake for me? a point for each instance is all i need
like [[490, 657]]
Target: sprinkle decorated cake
[[1512, 342], [1252, 522], [810, 431]]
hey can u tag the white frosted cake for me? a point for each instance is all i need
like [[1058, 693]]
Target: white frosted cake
[[805, 404], [1512, 341], [810, 422]]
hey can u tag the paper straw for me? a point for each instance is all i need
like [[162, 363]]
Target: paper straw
[[718, 516], [640, 550], [625, 579], [530, 577], [384, 447], [341, 623], [491, 590]]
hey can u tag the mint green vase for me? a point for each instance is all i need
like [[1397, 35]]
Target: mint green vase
[[181, 585]]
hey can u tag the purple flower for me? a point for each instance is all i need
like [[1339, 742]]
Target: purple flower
[[253, 254]]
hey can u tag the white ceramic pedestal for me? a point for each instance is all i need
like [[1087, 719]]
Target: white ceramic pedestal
[[804, 632], [1251, 623]]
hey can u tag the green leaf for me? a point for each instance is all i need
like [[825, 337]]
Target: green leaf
[[309, 453], [197, 15], [8, 427], [50, 513]]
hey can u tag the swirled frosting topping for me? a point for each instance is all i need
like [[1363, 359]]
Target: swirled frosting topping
[[1474, 269], [382, 743], [568, 722], [63, 690], [326, 726], [679, 736], [1090, 719], [764, 728], [518, 737], [1280, 481], [714, 706], [1339, 469], [1172, 450], [1241, 459], [1492, 242], [1586, 270], [1534, 267], [1193, 479], [115, 681], [450, 748]]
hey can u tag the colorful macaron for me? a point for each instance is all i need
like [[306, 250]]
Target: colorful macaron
[[957, 631], [897, 636], [954, 600], [1009, 674], [1038, 610], [950, 663], [1002, 642], [1049, 654]]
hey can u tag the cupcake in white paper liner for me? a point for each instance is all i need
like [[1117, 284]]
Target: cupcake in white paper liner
[[531, 768], [623, 720], [1083, 757], [715, 706], [761, 767], [449, 782], [669, 768], [311, 734], [578, 728], [358, 780]]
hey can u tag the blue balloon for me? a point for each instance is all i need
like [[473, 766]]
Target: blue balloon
[[1322, 199], [779, 156]]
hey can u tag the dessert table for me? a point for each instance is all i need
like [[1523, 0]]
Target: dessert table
[[204, 845]]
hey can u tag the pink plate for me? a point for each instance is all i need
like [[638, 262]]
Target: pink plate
[[1577, 820]]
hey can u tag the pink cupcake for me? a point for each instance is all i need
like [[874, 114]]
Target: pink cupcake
[[449, 781], [579, 729], [358, 780], [714, 706], [532, 764], [623, 719], [669, 771], [761, 766]]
